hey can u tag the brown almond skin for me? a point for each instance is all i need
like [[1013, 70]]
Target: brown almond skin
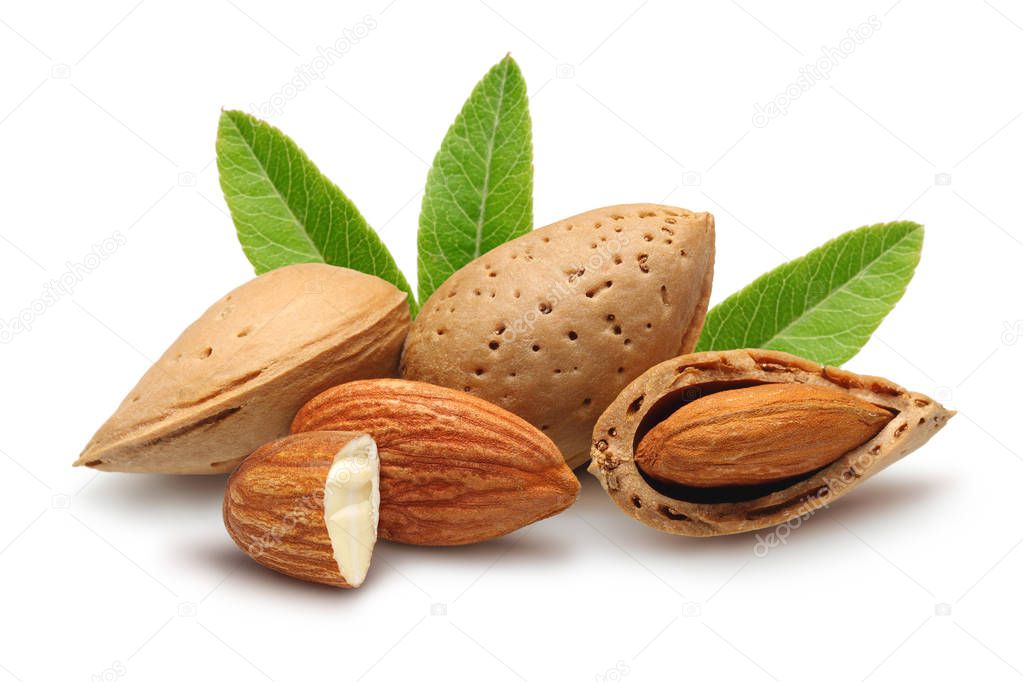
[[660, 390], [236, 376], [273, 506], [756, 435], [454, 469], [554, 324]]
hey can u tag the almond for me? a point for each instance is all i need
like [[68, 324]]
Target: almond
[[756, 435], [733, 441], [307, 505], [454, 469], [554, 324], [235, 378]]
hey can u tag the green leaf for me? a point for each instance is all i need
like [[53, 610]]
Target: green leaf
[[286, 211], [825, 305], [479, 192]]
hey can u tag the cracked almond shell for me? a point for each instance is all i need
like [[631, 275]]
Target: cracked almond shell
[[718, 511], [234, 379], [552, 325]]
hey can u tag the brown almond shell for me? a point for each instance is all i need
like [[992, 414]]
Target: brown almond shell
[[273, 506], [553, 324], [234, 378], [454, 469], [666, 386]]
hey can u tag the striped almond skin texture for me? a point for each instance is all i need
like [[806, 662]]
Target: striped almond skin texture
[[554, 324], [454, 469], [756, 435], [235, 377], [273, 506]]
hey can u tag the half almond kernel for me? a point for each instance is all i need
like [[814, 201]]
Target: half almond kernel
[[308, 505]]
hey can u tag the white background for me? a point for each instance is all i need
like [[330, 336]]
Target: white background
[[107, 123]]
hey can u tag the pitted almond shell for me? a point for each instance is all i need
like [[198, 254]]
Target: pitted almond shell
[[554, 324], [454, 469], [234, 379], [664, 387]]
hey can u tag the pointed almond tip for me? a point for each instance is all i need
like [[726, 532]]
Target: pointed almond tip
[[89, 463], [83, 458], [94, 449], [93, 457]]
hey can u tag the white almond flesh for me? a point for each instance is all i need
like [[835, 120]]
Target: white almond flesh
[[351, 505]]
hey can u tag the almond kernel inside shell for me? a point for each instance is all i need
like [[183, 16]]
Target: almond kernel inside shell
[[757, 435]]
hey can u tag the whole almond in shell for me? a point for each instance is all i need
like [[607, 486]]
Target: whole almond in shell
[[234, 379], [750, 502], [554, 324], [454, 469], [306, 506]]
